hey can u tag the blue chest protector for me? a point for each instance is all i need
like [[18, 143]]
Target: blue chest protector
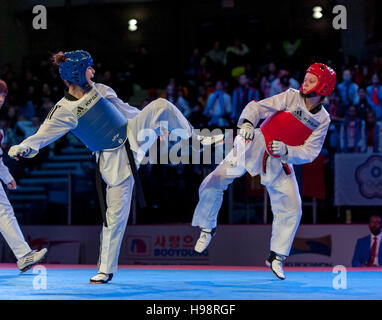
[[101, 125]]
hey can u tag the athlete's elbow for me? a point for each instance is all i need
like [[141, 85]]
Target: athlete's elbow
[[309, 158], [301, 159]]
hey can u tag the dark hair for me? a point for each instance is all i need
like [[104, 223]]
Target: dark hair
[[284, 80], [374, 215], [56, 60]]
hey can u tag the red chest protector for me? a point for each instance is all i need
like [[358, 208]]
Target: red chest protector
[[285, 127]]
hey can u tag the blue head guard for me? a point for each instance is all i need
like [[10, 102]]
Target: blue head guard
[[74, 68]]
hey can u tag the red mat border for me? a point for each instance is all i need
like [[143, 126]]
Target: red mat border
[[5, 266]]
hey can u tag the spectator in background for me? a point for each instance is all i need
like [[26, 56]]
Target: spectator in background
[[9, 135], [182, 91], [46, 92], [193, 63], [276, 86], [201, 96], [371, 132], [153, 94], [336, 114], [203, 74], [24, 128], [252, 74], [368, 251], [31, 95], [284, 82], [28, 109], [216, 55], [12, 116], [218, 108], [332, 137], [361, 74], [236, 55], [267, 79], [46, 105], [374, 96], [363, 107], [242, 95], [352, 133], [348, 90], [30, 87], [15, 94], [377, 63], [172, 95], [266, 90], [145, 102], [3, 92], [196, 118], [107, 78]]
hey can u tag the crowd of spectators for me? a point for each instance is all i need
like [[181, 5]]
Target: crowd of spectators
[[218, 84], [213, 90]]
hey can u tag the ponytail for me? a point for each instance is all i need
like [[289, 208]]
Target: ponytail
[[58, 58]]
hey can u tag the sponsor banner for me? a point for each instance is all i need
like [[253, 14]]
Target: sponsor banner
[[233, 245], [358, 179], [65, 244], [325, 245], [162, 245]]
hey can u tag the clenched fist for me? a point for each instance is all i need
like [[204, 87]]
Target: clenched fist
[[247, 131], [19, 151], [279, 148], [12, 185]]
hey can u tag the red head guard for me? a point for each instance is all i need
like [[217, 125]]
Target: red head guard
[[3, 87], [326, 81]]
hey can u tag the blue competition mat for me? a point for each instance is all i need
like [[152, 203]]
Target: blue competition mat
[[69, 283]]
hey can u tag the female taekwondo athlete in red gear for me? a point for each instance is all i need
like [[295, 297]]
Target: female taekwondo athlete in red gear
[[293, 133]]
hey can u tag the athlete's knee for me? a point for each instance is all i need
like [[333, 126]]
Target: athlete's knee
[[118, 210], [213, 182], [298, 207], [296, 212], [116, 220]]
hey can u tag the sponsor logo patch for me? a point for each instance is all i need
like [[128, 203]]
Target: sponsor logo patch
[[305, 118]]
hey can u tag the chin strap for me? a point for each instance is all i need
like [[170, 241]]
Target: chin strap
[[308, 95]]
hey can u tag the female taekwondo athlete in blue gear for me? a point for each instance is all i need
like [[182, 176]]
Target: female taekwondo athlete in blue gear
[[109, 127]]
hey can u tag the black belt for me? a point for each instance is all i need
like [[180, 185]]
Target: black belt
[[141, 197], [285, 166]]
